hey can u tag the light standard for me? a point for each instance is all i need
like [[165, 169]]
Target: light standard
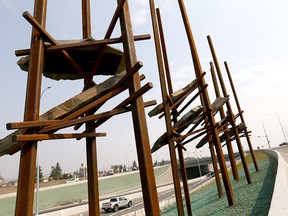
[[268, 141], [38, 167], [44, 91], [281, 126], [128, 156], [198, 163]]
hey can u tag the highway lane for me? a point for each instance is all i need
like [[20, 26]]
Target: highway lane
[[168, 192], [138, 203], [283, 150], [164, 193]]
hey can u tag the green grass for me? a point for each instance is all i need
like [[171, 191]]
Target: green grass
[[75, 192]]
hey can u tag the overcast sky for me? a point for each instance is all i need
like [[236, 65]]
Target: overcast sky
[[250, 35]]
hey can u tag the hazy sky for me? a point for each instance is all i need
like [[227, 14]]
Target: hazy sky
[[250, 35]]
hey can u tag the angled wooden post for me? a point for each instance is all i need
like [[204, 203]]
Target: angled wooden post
[[148, 183], [26, 180], [242, 117], [229, 109], [170, 90], [215, 168], [227, 137], [171, 146], [206, 104]]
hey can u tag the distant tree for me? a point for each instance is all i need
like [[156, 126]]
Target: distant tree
[[124, 168], [134, 165], [2, 180], [82, 172], [41, 177], [56, 171], [121, 168], [67, 176], [162, 162], [1, 177], [115, 168], [156, 163], [76, 174]]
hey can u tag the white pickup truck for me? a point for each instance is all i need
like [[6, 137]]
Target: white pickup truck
[[72, 180], [115, 203]]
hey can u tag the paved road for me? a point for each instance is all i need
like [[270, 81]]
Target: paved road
[[169, 193], [164, 193], [283, 151], [137, 202]]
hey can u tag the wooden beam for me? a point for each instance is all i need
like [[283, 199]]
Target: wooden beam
[[127, 101], [103, 115], [39, 137], [194, 132], [30, 124], [115, 90], [150, 198], [7, 146], [27, 165], [60, 47]]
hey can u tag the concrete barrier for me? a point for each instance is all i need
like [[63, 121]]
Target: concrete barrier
[[280, 194]]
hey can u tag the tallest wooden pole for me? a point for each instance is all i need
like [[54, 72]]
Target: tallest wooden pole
[[229, 109], [148, 183], [26, 180], [206, 104], [168, 122], [174, 116], [91, 148], [227, 137], [242, 117]]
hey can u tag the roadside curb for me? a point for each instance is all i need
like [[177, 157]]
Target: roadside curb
[[280, 194]]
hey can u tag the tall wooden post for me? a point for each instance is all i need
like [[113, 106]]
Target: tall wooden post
[[91, 148], [206, 104], [227, 137], [26, 180], [229, 109], [171, 146], [170, 90], [150, 196], [242, 117]]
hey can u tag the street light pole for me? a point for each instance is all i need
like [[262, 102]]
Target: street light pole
[[281, 127], [38, 168], [128, 156], [44, 91], [198, 163], [268, 141]]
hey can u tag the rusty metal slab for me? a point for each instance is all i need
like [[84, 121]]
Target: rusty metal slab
[[56, 67]]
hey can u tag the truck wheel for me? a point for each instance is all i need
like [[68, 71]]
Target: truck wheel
[[115, 208], [106, 210], [129, 203]]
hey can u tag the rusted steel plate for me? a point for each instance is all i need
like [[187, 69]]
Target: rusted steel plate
[[8, 146], [241, 127], [57, 68], [188, 117], [174, 97]]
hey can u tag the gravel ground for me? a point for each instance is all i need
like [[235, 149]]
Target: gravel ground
[[250, 199]]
